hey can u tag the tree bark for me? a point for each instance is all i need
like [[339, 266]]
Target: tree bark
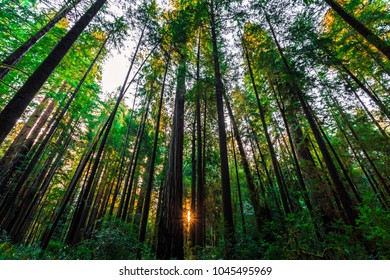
[[333, 172], [239, 188], [200, 211], [170, 225], [377, 42], [145, 213], [279, 177], [13, 58], [229, 230], [259, 212], [18, 104]]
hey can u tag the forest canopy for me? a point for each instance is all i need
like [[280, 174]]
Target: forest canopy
[[254, 129]]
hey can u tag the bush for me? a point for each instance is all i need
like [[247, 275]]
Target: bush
[[374, 223], [115, 240]]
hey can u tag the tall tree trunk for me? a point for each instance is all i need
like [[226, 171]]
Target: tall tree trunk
[[12, 202], [346, 201], [13, 58], [40, 187], [126, 193], [229, 231], [53, 127], [340, 163], [377, 42], [267, 172], [170, 225], [145, 213], [11, 156], [279, 177], [239, 188], [48, 233], [259, 212], [134, 162], [200, 211], [191, 224], [319, 192], [18, 104], [103, 181], [78, 224], [123, 158], [141, 197], [259, 174], [298, 170]]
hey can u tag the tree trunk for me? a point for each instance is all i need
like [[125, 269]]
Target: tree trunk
[[229, 231], [170, 225], [13, 58], [12, 203], [130, 177], [12, 154], [40, 187], [200, 211], [122, 162], [18, 104], [377, 42], [259, 212], [48, 233], [239, 189], [279, 177], [333, 172], [149, 186]]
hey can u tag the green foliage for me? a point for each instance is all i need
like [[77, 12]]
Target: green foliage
[[210, 253], [374, 222], [9, 251], [317, 44], [115, 240]]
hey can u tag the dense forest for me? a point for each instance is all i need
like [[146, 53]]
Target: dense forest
[[254, 129]]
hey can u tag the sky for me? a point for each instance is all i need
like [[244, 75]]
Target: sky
[[114, 70]]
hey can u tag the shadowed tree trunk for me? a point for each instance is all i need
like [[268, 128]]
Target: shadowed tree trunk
[[170, 224], [239, 188], [345, 200], [200, 211], [377, 42], [279, 177], [133, 164], [145, 213], [18, 104], [123, 159], [12, 202], [191, 223], [259, 212], [13, 58], [226, 190], [11, 156]]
